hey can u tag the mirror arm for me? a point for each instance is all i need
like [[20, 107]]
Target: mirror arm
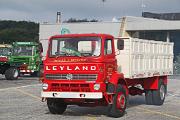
[[117, 52]]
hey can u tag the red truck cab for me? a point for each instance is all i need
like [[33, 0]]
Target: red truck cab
[[81, 77]]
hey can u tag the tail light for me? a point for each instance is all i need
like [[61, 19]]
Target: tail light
[[24, 66], [3, 59]]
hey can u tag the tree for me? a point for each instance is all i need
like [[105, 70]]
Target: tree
[[11, 31]]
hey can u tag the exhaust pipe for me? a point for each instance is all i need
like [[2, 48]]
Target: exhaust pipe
[[58, 19]]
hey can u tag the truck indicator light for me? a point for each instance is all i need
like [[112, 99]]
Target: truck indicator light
[[96, 86]]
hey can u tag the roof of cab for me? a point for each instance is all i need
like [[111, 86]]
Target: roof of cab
[[82, 35]]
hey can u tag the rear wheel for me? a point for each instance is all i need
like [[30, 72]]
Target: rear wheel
[[12, 73], [159, 95], [56, 106], [149, 97], [156, 97], [117, 109]]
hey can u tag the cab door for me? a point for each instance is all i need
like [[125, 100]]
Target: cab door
[[109, 56]]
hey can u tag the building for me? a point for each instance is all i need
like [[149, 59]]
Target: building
[[155, 29], [162, 16], [136, 27]]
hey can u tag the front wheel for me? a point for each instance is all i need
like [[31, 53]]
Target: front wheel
[[56, 106], [117, 109], [12, 73]]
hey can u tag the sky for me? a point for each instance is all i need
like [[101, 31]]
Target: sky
[[45, 10]]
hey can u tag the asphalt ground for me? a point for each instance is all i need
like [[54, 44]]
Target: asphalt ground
[[20, 100]]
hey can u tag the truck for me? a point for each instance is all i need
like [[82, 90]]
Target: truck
[[26, 57], [10, 72], [95, 69]]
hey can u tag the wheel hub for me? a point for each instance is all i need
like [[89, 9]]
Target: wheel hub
[[15, 73], [121, 101], [162, 92]]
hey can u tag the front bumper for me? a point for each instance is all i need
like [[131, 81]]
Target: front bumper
[[84, 95]]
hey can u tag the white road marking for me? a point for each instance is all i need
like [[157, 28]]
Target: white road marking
[[10, 88], [29, 94], [174, 95], [159, 113]]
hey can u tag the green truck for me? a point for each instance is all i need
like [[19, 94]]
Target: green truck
[[20, 58], [26, 57], [10, 72]]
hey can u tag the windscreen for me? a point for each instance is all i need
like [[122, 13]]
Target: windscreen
[[23, 51], [4, 51], [77, 46]]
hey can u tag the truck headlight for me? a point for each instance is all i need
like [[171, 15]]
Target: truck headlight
[[96, 86], [44, 86]]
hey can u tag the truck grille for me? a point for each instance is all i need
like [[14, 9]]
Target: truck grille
[[87, 77], [70, 87]]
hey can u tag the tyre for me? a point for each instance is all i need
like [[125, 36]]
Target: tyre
[[149, 97], [12, 73], [156, 97], [159, 95], [117, 109], [56, 106]]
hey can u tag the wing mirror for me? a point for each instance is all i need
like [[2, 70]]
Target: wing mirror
[[120, 44]]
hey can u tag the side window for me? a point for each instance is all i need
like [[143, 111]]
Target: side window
[[54, 47], [108, 47]]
